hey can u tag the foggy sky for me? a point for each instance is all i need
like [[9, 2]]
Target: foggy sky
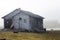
[[49, 9]]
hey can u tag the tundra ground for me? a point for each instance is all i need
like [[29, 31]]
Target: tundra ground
[[50, 35]]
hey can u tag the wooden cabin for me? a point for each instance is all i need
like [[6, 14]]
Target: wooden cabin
[[20, 20]]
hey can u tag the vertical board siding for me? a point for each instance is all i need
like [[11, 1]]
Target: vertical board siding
[[36, 24], [19, 24]]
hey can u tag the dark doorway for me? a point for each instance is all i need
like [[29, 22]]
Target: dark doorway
[[7, 23]]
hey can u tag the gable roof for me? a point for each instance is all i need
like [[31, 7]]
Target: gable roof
[[16, 11], [32, 14]]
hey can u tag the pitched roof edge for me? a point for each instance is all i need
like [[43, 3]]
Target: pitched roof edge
[[11, 12], [19, 9], [31, 14]]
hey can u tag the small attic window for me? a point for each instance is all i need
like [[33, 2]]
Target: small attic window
[[20, 18]]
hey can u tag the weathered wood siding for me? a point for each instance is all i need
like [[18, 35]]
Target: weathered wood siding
[[36, 24], [22, 24]]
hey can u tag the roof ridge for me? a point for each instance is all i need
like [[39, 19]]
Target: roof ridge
[[16, 11]]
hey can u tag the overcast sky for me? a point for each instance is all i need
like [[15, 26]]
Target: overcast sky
[[50, 9]]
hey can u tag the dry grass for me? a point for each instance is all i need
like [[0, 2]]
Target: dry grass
[[54, 35]]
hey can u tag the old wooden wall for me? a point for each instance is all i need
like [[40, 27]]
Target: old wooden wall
[[36, 24], [22, 24]]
